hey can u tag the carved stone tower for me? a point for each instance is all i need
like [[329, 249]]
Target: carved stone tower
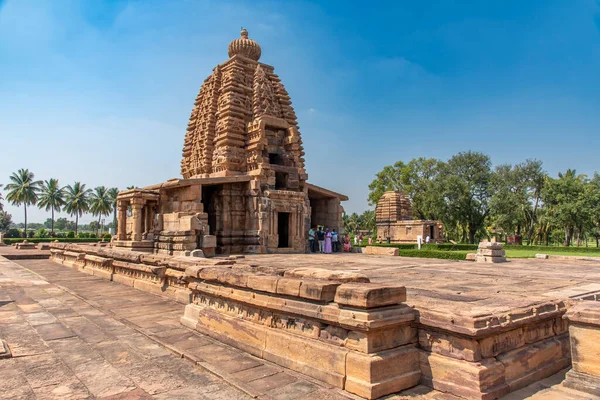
[[244, 184]]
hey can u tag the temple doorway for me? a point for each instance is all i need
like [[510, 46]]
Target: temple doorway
[[208, 200], [283, 229], [431, 232]]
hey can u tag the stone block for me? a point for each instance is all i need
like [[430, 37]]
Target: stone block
[[263, 283], [369, 295], [373, 341], [376, 375], [490, 245], [491, 253], [471, 380], [486, 259], [308, 356], [193, 271], [381, 251], [539, 331], [458, 347], [318, 290], [209, 241], [471, 257], [289, 286], [502, 342], [536, 361], [541, 256], [325, 274]]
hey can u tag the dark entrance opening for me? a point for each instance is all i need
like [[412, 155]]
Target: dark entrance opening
[[208, 200], [275, 159], [283, 229], [431, 232], [280, 180]]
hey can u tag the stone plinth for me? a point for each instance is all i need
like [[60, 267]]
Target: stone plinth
[[25, 245], [490, 252], [355, 336], [584, 330], [381, 251]]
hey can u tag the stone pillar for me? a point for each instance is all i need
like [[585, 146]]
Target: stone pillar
[[122, 220], [136, 216], [584, 332]]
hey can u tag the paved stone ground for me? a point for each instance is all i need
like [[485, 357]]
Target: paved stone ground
[[78, 336], [460, 287]]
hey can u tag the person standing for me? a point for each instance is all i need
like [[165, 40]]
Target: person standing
[[321, 239], [328, 236], [311, 240], [355, 239], [335, 241], [370, 240]]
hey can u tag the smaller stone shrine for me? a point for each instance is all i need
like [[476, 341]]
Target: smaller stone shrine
[[395, 221]]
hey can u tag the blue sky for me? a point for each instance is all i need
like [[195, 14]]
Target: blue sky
[[101, 91]]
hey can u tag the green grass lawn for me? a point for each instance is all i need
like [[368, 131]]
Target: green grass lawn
[[526, 253]]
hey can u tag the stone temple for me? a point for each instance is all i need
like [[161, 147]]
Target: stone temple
[[244, 186], [394, 219]]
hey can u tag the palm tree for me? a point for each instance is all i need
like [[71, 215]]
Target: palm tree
[[100, 202], [77, 201], [23, 190], [1, 198], [52, 197], [113, 193]]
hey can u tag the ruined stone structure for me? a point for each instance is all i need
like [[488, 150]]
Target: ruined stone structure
[[244, 186], [395, 221]]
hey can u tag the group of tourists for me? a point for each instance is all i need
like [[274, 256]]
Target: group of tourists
[[325, 241]]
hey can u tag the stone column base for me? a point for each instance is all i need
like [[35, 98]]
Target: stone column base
[[582, 382]]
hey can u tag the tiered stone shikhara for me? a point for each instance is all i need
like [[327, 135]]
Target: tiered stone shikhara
[[244, 186], [395, 221]]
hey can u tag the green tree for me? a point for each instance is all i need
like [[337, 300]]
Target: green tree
[[1, 198], [515, 204], [386, 180], [23, 190], [567, 204], [100, 202], [77, 201], [5, 221], [465, 183], [52, 197], [367, 221], [113, 193]]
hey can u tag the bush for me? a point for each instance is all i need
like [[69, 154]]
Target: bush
[[107, 236], [30, 234], [71, 235], [47, 240], [541, 249], [438, 247], [41, 233], [92, 235], [60, 235], [83, 235], [441, 254], [13, 233]]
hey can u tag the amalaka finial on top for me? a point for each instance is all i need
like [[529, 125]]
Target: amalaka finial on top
[[244, 46]]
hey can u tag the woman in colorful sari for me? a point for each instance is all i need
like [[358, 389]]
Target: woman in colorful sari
[[347, 245], [327, 241]]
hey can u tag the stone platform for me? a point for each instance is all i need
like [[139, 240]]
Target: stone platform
[[473, 330]]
